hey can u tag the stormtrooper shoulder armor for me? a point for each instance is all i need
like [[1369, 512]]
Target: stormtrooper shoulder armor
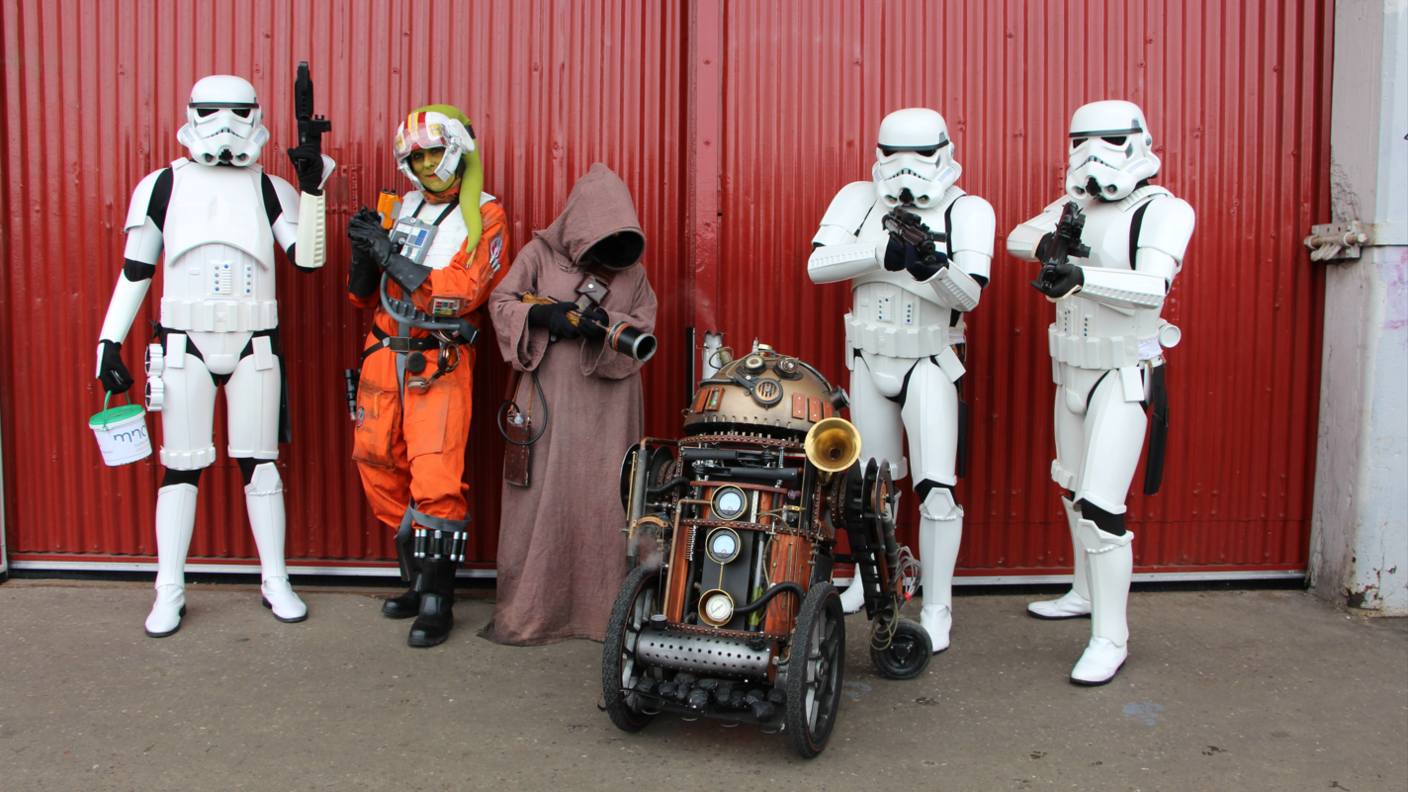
[[1167, 226], [142, 199], [974, 225], [846, 213], [1023, 240]]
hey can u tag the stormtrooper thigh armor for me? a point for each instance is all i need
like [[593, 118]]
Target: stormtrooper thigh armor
[[929, 418], [1099, 435], [187, 419]]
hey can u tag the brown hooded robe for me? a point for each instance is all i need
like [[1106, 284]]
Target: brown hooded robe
[[561, 550]]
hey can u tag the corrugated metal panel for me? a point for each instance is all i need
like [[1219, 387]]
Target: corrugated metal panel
[[93, 95], [1236, 94]]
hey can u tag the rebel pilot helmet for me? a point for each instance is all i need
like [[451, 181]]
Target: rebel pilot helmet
[[223, 122], [1111, 151], [914, 159], [428, 129]]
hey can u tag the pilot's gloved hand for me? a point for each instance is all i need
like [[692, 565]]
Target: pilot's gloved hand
[[368, 238]]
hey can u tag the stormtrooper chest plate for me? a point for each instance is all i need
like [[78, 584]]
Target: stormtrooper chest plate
[[892, 314], [219, 252], [1093, 335]]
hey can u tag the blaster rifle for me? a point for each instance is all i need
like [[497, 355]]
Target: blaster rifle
[[1063, 244], [310, 127], [906, 228]]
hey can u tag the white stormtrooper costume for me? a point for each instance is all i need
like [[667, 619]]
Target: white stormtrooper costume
[[1106, 354], [217, 216], [906, 326]]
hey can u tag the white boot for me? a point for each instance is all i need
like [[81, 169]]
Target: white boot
[[264, 498], [1076, 602], [853, 598], [940, 533], [175, 521], [1109, 566]]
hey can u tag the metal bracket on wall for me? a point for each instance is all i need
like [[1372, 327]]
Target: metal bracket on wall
[[1339, 241]]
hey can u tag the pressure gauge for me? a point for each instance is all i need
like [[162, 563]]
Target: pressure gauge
[[716, 607], [729, 503], [723, 545]]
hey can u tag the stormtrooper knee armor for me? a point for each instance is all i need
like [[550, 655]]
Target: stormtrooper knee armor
[[918, 252], [217, 218], [1107, 354]]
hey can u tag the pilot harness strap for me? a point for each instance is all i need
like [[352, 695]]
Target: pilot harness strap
[[405, 312]]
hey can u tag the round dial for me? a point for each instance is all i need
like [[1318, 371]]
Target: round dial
[[723, 546], [729, 503], [718, 608]]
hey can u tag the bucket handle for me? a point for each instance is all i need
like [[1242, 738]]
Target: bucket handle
[[109, 396]]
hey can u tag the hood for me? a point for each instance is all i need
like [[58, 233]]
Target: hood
[[598, 207]]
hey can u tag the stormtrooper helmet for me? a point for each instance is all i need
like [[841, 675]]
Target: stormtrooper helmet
[[223, 122], [1111, 151], [914, 159], [430, 130]]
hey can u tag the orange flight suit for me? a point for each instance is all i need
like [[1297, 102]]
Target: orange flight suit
[[415, 451]]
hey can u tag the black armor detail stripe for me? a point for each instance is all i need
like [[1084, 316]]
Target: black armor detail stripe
[[1134, 226], [272, 207], [137, 271], [161, 196]]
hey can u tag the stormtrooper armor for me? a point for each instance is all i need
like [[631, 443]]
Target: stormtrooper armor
[[1106, 348], [905, 330], [217, 217]]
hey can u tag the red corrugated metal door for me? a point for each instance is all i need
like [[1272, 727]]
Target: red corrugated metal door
[[733, 123], [94, 93], [1236, 94]]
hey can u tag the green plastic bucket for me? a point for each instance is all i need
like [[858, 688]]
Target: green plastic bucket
[[122, 433]]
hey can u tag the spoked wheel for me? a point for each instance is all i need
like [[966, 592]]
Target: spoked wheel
[[905, 655], [619, 669], [815, 670]]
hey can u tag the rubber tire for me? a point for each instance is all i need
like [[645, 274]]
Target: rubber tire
[[629, 613], [821, 619], [919, 651]]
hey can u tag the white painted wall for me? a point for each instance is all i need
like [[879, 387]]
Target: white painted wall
[[1359, 522]]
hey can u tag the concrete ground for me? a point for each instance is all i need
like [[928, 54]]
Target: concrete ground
[[1254, 690]]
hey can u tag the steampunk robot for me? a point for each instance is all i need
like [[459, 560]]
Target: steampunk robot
[[729, 611]]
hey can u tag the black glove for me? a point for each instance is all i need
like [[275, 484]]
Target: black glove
[[362, 274], [554, 318], [114, 374], [593, 324], [1060, 281], [894, 254], [368, 238], [1043, 246], [923, 261], [307, 159]]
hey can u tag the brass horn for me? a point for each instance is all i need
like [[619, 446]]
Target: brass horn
[[833, 445]]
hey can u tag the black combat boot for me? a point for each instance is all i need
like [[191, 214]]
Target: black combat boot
[[406, 605], [437, 600]]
